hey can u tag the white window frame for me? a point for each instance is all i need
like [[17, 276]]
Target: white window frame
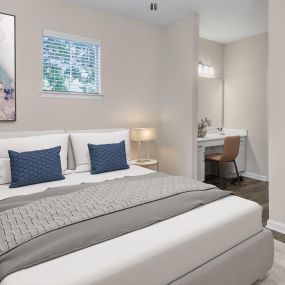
[[70, 94]]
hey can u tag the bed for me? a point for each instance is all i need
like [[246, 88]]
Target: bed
[[222, 242]]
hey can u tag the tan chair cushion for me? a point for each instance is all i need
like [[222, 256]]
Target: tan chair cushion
[[215, 156], [231, 150]]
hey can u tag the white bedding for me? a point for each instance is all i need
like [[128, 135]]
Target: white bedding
[[154, 255], [72, 178]]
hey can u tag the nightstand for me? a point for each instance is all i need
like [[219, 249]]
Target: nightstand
[[149, 163]]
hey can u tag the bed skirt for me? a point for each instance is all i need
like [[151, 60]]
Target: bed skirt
[[241, 265]]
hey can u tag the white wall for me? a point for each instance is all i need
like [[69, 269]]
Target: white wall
[[138, 92], [276, 103], [178, 103], [212, 53], [245, 73], [130, 68]]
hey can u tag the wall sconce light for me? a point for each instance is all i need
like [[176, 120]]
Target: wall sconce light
[[205, 70]]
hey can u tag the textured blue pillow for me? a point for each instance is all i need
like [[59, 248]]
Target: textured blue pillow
[[34, 167], [107, 157]]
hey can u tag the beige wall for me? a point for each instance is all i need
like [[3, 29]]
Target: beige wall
[[276, 103], [134, 84], [130, 68], [212, 53], [178, 102], [245, 72]]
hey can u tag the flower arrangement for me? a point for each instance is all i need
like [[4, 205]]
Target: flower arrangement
[[202, 127], [205, 122]]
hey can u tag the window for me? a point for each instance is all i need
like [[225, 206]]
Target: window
[[71, 64]]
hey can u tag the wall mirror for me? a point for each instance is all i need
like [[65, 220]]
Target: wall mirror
[[210, 100]]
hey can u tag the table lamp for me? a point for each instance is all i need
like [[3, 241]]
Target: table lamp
[[141, 135]]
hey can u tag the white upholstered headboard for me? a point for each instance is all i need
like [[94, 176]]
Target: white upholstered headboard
[[70, 156]]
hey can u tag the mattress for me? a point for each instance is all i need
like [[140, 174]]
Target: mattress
[[157, 254]]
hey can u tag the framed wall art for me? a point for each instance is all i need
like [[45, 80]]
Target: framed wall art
[[7, 68]]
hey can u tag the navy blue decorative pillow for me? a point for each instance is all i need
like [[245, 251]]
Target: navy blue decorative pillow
[[107, 157], [32, 167]]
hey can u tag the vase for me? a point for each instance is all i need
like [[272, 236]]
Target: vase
[[202, 132]]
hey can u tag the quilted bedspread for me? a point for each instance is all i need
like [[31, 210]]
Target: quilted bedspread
[[70, 218]]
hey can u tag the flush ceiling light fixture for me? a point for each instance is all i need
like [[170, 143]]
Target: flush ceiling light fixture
[[153, 7], [205, 70]]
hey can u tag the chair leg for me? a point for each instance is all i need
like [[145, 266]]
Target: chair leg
[[238, 177], [220, 175]]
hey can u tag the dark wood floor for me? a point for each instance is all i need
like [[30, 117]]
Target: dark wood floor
[[254, 190]]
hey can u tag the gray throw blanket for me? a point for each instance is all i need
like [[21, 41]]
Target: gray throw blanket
[[71, 218]]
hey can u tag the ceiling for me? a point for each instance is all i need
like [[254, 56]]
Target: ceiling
[[220, 20]]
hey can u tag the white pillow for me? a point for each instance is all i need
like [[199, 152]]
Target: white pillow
[[80, 143], [5, 172], [21, 144]]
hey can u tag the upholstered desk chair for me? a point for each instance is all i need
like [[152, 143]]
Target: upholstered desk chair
[[231, 150]]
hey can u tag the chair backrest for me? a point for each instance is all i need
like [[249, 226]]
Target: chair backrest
[[231, 148]]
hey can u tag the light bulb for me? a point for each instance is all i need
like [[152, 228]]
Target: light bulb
[[211, 70], [200, 68], [206, 70]]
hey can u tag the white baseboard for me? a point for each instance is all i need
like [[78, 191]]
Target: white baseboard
[[254, 176], [276, 226]]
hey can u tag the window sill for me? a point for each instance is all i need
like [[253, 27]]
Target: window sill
[[60, 95]]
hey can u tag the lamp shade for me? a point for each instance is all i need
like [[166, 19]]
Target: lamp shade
[[143, 134]]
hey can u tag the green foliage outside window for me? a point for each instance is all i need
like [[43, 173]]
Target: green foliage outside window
[[70, 66]]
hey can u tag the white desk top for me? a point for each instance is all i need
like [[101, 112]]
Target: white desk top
[[211, 135]]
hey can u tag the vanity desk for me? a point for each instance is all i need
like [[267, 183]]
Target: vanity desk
[[213, 143]]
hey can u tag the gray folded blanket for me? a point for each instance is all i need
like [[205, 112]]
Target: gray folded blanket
[[39, 227]]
